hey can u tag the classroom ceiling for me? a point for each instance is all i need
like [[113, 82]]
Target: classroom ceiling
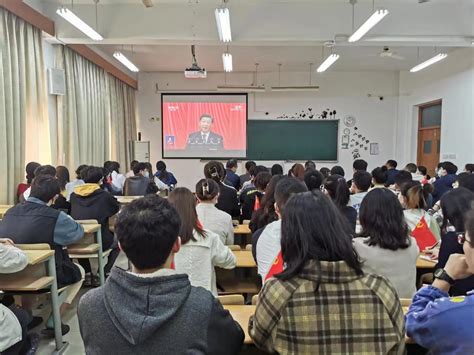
[[290, 32]]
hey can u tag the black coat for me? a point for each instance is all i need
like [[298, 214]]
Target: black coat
[[228, 201], [215, 142]]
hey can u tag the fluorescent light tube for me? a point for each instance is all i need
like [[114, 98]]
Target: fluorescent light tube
[[223, 24], [125, 61], [238, 88], [429, 62], [227, 61], [376, 17], [328, 62], [295, 88], [69, 16]]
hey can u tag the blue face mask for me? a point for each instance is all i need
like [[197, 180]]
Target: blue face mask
[[147, 174]]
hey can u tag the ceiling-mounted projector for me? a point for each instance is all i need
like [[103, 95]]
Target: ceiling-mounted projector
[[195, 72]]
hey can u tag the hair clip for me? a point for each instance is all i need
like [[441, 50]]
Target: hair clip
[[205, 188]]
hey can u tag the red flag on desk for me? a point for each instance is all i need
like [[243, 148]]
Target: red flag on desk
[[423, 235], [256, 205], [276, 267]]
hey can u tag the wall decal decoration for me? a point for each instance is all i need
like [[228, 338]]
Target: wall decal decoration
[[309, 114]]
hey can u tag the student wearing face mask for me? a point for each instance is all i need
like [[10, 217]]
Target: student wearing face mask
[[140, 184], [447, 176]]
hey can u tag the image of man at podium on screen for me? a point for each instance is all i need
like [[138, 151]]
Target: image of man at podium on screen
[[205, 140]]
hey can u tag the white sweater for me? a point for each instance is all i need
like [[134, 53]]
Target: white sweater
[[398, 266], [198, 258], [216, 221]]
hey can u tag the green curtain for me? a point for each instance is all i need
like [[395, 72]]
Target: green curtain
[[24, 127]]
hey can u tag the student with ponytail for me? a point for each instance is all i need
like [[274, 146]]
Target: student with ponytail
[[423, 227], [335, 186], [217, 221], [227, 200]]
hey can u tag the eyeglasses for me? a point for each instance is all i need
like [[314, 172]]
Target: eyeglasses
[[462, 238]]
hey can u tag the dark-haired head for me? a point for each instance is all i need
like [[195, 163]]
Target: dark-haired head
[[297, 171], [214, 170], [161, 171], [380, 175], [62, 174], [382, 220], [92, 175], [325, 171], [454, 205], [266, 213], [112, 166], [422, 169], [411, 168], [313, 179], [310, 165], [277, 169], [30, 171], [338, 170], [249, 164], [149, 167], [79, 170], [185, 203], [360, 165], [361, 181], [45, 187], [160, 166], [447, 168], [147, 230], [469, 168], [133, 163], [261, 180], [391, 164], [255, 170], [415, 195], [314, 229], [140, 169], [336, 188], [45, 170], [285, 188], [207, 190], [466, 180], [402, 177], [231, 164]]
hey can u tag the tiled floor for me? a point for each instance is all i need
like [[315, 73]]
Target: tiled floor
[[76, 346]]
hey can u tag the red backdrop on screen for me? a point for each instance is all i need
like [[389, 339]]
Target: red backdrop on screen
[[182, 118]]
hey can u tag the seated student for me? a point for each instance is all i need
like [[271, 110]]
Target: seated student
[[297, 171], [117, 180], [61, 203], [78, 181], [14, 337], [309, 165], [251, 199], [35, 222], [323, 303], [254, 171], [465, 180], [276, 169], [40, 170], [212, 218], [379, 178], [313, 179], [454, 204], [385, 246], [269, 244], [201, 250], [231, 178], [337, 170], [413, 197], [335, 186], [469, 168], [89, 201], [357, 165], [391, 171], [30, 174], [436, 322], [413, 170], [401, 178], [140, 184], [325, 171], [447, 176], [227, 200], [424, 172], [165, 176], [360, 186], [245, 178], [152, 308], [130, 173]]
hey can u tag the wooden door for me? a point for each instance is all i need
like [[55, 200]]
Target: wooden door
[[429, 135]]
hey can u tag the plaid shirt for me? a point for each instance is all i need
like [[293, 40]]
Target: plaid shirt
[[349, 314]]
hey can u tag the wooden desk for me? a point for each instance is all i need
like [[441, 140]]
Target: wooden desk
[[244, 258], [40, 274], [425, 264], [4, 209], [241, 315], [93, 228], [242, 229], [123, 200]]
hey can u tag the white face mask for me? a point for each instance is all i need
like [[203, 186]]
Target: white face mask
[[146, 174]]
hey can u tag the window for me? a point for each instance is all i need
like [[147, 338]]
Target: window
[[431, 116]]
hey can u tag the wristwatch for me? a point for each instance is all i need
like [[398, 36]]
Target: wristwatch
[[441, 274]]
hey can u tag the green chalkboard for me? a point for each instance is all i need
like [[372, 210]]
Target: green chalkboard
[[292, 139]]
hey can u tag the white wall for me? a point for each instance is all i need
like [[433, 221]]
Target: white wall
[[451, 80], [346, 92]]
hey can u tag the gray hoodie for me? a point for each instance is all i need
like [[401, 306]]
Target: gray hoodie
[[155, 315]]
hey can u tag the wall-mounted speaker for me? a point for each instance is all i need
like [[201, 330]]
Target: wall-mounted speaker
[[56, 81]]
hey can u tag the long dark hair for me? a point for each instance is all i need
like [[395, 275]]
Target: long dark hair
[[215, 170], [207, 189], [185, 203], [382, 220], [297, 171], [313, 229], [62, 173], [30, 171], [454, 205], [336, 186], [161, 171], [416, 195], [266, 213]]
